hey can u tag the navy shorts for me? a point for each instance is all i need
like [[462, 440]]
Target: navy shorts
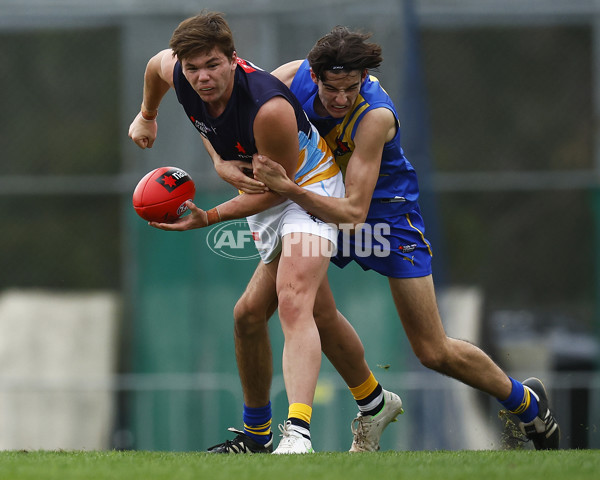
[[395, 246]]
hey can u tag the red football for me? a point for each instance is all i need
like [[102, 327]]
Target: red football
[[161, 195]]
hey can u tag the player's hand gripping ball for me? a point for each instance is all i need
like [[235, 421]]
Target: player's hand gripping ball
[[161, 195]]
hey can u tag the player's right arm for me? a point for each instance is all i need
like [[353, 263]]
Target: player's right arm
[[158, 79], [376, 127]]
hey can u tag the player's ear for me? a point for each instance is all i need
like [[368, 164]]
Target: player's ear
[[314, 77], [364, 75]]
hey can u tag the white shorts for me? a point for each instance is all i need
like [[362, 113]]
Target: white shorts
[[269, 227]]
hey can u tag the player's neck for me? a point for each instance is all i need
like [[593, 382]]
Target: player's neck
[[215, 109], [319, 109]]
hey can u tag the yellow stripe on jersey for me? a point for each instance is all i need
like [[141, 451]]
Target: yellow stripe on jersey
[[332, 171], [321, 171], [341, 158], [315, 161], [301, 159], [353, 117], [340, 138]]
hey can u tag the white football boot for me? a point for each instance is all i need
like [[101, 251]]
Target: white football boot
[[367, 429], [292, 442]]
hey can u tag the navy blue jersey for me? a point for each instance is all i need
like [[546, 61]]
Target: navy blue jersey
[[231, 134]]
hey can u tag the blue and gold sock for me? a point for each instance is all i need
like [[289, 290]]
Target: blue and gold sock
[[521, 402], [257, 423], [368, 396]]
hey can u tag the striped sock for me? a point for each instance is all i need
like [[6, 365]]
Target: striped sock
[[299, 415], [257, 423], [521, 402], [368, 396]]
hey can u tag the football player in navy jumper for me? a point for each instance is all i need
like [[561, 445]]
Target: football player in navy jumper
[[241, 111]]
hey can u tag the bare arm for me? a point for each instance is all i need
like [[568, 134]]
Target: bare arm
[[287, 72], [276, 135], [158, 79], [361, 175]]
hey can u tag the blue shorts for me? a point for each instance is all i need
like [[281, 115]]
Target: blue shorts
[[395, 247]]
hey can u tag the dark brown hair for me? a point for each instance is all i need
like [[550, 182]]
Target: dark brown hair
[[342, 50], [201, 34]]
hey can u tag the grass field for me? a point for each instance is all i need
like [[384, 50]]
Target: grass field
[[446, 465]]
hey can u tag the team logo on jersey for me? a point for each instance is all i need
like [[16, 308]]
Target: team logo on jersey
[[202, 127], [242, 153], [410, 259], [342, 148], [408, 248], [173, 178], [247, 66]]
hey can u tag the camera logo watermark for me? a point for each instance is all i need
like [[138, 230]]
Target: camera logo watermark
[[234, 240], [364, 240]]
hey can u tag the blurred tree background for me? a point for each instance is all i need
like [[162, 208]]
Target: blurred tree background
[[60, 134], [502, 101], [516, 103]]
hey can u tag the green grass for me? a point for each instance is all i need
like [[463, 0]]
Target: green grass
[[446, 465]]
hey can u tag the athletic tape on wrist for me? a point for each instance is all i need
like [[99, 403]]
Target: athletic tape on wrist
[[213, 216]]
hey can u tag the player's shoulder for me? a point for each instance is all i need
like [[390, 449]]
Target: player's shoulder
[[247, 66], [287, 71], [274, 107], [380, 105], [380, 110], [377, 125], [167, 65]]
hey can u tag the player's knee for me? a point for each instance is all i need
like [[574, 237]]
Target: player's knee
[[288, 310], [433, 358], [290, 306], [248, 316]]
